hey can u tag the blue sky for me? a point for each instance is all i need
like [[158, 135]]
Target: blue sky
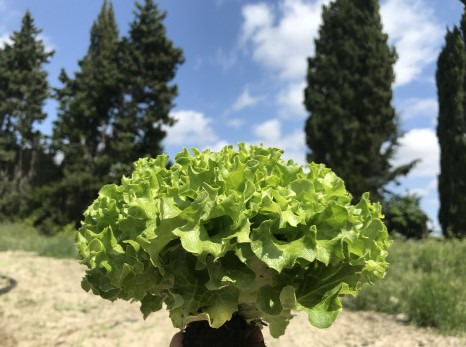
[[245, 67]]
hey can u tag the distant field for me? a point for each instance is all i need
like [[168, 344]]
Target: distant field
[[25, 238], [426, 282]]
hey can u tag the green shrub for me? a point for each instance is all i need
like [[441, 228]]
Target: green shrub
[[426, 280], [403, 216], [435, 302], [25, 238]]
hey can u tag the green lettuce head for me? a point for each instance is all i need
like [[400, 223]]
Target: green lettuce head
[[234, 231]]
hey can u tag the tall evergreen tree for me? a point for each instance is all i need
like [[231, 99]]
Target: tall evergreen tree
[[23, 91], [113, 110], [353, 127], [149, 63], [87, 105], [451, 131]]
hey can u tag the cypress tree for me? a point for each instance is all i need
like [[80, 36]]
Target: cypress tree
[[353, 127], [451, 132], [23, 91], [87, 105], [149, 63], [112, 111]]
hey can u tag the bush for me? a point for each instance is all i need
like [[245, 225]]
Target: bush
[[25, 238], [425, 281], [432, 303], [403, 216]]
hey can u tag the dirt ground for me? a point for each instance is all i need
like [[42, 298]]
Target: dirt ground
[[49, 308]]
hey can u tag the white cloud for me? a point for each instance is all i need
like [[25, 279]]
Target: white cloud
[[282, 38], [270, 134], [256, 17], [235, 123], [226, 60], [417, 107], [48, 42], [245, 100], [414, 30], [269, 131], [216, 147], [430, 188], [5, 39], [58, 158], [419, 144], [191, 129], [291, 100]]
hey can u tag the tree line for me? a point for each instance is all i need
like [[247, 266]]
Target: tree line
[[112, 112]]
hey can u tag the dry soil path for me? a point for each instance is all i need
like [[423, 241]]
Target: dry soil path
[[49, 308]]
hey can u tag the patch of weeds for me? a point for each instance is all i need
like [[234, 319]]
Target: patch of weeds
[[39, 325], [25, 238], [25, 302], [63, 307], [425, 281], [85, 307]]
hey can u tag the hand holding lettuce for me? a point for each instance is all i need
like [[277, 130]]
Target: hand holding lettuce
[[234, 231]]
